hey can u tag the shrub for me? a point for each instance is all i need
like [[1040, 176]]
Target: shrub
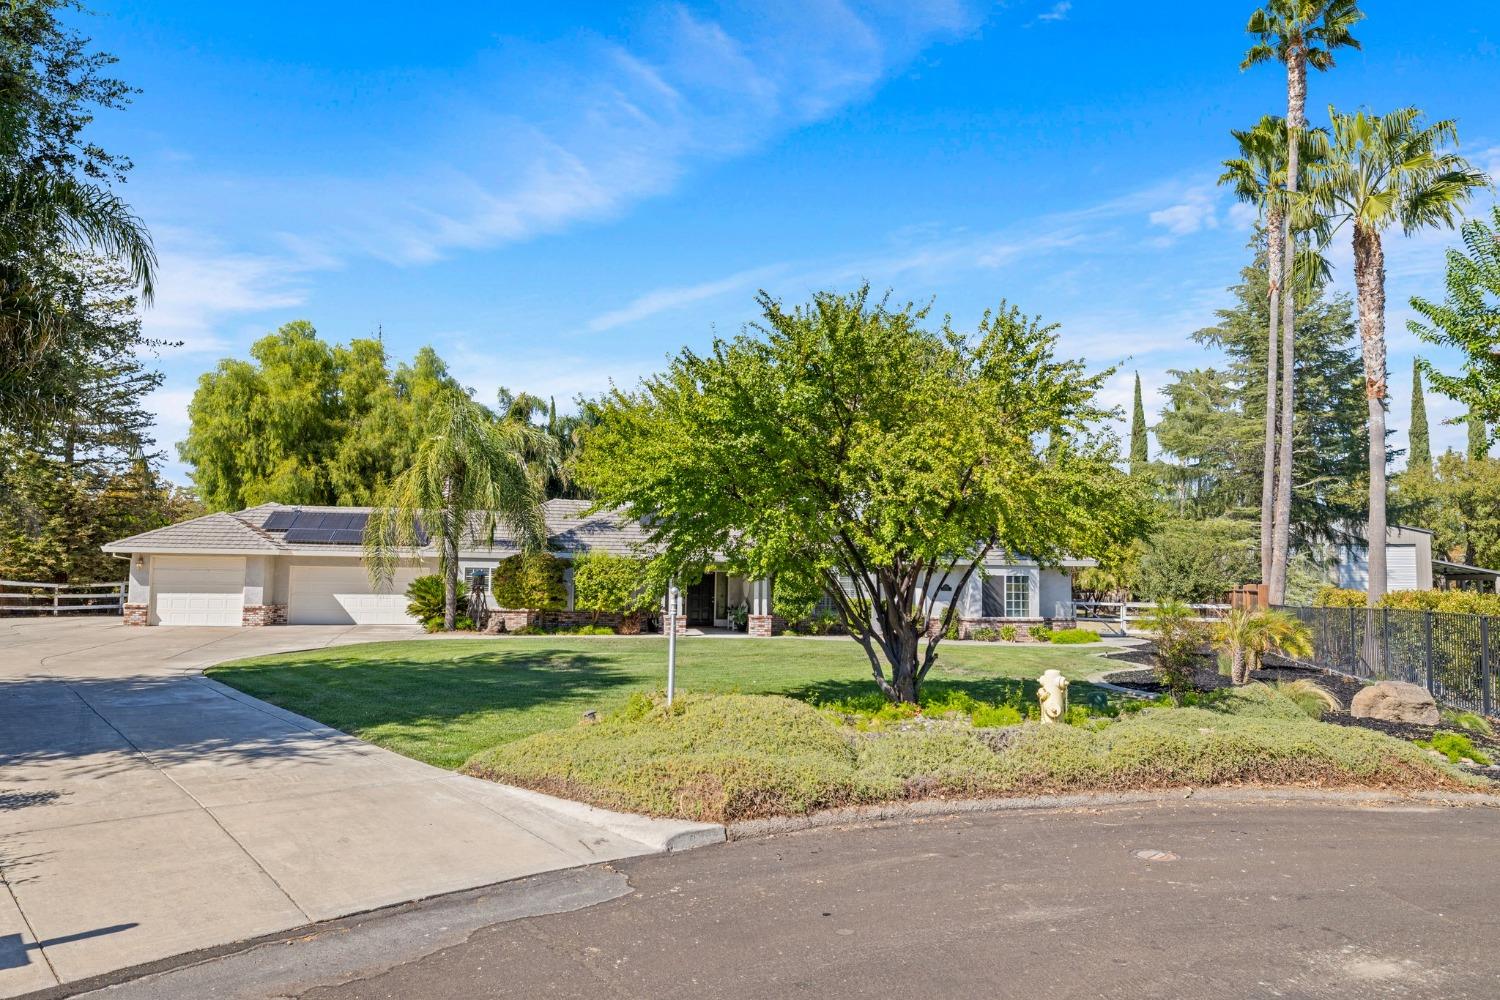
[[607, 583], [1472, 721], [1462, 602], [1178, 638], [424, 601], [1041, 633], [1311, 697], [995, 716], [1336, 597], [530, 580], [1008, 633], [985, 634], [1073, 636], [463, 623], [1453, 746]]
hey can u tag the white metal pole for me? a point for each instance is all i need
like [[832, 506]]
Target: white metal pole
[[671, 640]]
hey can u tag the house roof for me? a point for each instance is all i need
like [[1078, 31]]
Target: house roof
[[570, 528], [212, 533]]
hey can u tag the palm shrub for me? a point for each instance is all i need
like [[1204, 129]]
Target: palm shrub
[[1178, 637], [425, 598], [1247, 635]]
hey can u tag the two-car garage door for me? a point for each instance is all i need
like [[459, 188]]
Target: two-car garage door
[[341, 594]]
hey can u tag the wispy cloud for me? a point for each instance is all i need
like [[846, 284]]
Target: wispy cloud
[[1199, 209], [1058, 12], [664, 300]]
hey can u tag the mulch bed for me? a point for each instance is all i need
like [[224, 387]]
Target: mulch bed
[[1207, 678]]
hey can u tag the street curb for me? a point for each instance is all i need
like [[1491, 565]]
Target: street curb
[[747, 829], [665, 836]]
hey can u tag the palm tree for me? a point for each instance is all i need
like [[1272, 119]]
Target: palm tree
[[1298, 34], [1247, 635], [44, 216], [469, 477], [1257, 176], [1379, 171]]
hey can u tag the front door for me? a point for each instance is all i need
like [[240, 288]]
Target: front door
[[700, 601]]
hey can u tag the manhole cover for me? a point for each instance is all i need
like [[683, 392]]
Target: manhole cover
[[1151, 854]]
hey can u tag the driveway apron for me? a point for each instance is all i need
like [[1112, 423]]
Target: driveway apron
[[147, 811]]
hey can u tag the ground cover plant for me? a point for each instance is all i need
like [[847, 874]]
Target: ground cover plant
[[443, 700], [734, 757]]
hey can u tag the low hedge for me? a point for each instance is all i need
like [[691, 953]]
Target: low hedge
[[731, 757]]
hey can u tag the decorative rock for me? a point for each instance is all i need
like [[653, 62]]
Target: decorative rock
[[1053, 694], [1395, 701]]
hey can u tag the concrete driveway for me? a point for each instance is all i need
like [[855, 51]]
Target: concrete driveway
[[146, 811]]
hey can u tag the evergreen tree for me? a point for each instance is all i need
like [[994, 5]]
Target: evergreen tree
[[1138, 444], [1210, 432], [1479, 436], [1419, 447]]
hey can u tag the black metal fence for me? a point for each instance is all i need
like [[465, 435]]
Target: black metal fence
[[1454, 656]]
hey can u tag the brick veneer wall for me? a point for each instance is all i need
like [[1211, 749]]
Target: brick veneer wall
[[137, 614], [1023, 626], [511, 619], [765, 626], [263, 614]]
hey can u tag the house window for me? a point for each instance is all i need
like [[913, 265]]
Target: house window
[[1017, 596], [1006, 596]]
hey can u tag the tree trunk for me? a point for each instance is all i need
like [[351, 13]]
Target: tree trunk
[[1274, 248], [1238, 675], [450, 580], [1296, 121], [1369, 282]]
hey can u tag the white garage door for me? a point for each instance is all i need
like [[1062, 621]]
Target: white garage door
[[1401, 567], [198, 590], [343, 595]]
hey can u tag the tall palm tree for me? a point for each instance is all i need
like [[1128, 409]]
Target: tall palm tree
[[470, 476], [1298, 34], [1257, 177], [1379, 171]]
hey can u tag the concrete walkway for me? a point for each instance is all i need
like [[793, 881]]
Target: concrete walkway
[[147, 811]]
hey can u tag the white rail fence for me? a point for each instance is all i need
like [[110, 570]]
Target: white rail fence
[[1125, 615], [27, 597]]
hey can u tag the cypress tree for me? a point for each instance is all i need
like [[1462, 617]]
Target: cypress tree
[[1419, 447], [1479, 438], [1138, 446]]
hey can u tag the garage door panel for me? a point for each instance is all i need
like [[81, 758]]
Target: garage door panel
[[198, 591], [343, 595]]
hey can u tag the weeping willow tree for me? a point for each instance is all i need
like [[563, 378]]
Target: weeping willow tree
[[471, 476]]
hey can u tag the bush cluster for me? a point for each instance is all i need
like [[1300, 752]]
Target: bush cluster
[[732, 757]]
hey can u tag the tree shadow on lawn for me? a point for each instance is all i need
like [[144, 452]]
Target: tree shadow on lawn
[[359, 693], [996, 690]]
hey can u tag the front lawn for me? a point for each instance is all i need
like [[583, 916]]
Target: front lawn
[[442, 701]]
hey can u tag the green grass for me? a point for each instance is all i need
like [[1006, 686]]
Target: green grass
[[734, 757], [441, 701]]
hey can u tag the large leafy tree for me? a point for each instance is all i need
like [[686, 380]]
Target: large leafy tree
[[470, 476], [54, 198], [1468, 319], [1375, 172], [845, 439], [306, 421], [1459, 500], [1298, 34]]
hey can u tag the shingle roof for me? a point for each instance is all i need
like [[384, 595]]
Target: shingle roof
[[569, 529], [213, 533]]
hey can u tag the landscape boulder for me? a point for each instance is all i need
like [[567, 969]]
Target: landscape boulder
[[1395, 701]]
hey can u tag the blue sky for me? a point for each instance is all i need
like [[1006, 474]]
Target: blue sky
[[557, 195]]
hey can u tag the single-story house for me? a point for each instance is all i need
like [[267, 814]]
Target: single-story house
[[303, 565], [1410, 564]]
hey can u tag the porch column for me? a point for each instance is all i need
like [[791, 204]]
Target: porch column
[[138, 592], [762, 622]]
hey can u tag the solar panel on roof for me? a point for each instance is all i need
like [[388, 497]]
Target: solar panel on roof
[[280, 520], [348, 536]]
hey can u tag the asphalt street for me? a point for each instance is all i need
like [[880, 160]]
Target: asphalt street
[[1182, 900]]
